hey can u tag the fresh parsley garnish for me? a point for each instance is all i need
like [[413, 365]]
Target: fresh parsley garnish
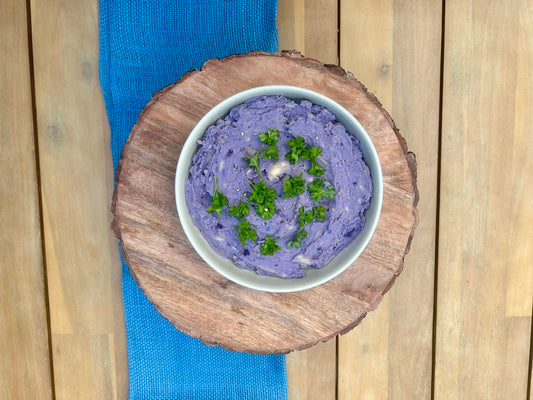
[[262, 194], [311, 153], [270, 137], [269, 247], [316, 169], [297, 242], [305, 217], [265, 210], [241, 210], [271, 152], [300, 150], [293, 186], [255, 162], [262, 198], [317, 190], [319, 213], [218, 200], [245, 231], [297, 147]]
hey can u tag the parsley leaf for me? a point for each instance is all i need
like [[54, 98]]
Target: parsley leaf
[[241, 210], [265, 210], [270, 137], [297, 142], [305, 217], [218, 200], [316, 169], [297, 146], [317, 191], [261, 193], [319, 212], [245, 231], [269, 247], [255, 162], [293, 186], [297, 242], [271, 152], [264, 198], [310, 153]]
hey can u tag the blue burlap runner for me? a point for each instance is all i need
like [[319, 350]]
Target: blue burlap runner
[[144, 46]]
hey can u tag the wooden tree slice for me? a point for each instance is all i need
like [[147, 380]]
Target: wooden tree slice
[[185, 290]]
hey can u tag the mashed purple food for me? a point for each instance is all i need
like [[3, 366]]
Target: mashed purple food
[[310, 206]]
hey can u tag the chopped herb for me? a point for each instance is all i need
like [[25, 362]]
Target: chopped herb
[[311, 153], [298, 143], [297, 146], [319, 212], [245, 232], [262, 198], [316, 169], [241, 210], [305, 217], [218, 200], [269, 247], [293, 186], [297, 242], [265, 210], [270, 137], [262, 194], [300, 150], [318, 191], [255, 162], [271, 152]]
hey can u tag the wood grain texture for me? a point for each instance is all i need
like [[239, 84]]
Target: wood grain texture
[[487, 123], [309, 27], [194, 297], [24, 348], [485, 261], [87, 320], [417, 30], [366, 349], [397, 55], [311, 373]]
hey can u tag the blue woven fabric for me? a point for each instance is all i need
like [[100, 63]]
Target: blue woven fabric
[[144, 46]]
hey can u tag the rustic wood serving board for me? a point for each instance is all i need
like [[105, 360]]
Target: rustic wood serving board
[[185, 290]]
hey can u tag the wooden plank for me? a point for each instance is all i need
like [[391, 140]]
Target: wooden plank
[[84, 274], [311, 28], [25, 363], [397, 55], [363, 353], [485, 284], [312, 373]]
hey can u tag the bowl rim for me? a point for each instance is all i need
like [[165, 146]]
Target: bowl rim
[[249, 278]]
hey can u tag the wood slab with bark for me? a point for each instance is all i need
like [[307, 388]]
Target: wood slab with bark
[[185, 290]]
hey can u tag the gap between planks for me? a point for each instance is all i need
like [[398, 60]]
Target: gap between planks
[[39, 193], [437, 206]]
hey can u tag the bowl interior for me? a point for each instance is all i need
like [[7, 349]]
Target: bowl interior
[[313, 277]]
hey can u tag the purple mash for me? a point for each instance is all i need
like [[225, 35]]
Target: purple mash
[[221, 154]]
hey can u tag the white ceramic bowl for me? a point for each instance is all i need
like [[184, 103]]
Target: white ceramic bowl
[[313, 277]]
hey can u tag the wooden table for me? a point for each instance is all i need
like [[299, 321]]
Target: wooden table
[[458, 81]]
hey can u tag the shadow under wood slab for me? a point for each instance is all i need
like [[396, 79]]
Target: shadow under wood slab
[[185, 290]]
